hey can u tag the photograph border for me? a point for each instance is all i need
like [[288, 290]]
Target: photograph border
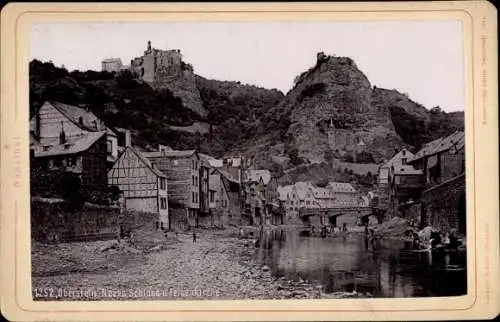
[[481, 121]]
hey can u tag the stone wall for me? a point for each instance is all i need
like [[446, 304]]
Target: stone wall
[[351, 220], [178, 218], [53, 220], [412, 213], [443, 206]]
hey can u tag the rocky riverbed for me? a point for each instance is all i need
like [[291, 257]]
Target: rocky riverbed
[[219, 265]]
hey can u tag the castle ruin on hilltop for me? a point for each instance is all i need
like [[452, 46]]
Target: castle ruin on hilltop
[[154, 61]]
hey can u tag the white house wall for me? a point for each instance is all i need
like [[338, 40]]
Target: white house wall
[[50, 123]]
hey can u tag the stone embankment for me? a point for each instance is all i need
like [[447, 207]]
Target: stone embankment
[[219, 265]]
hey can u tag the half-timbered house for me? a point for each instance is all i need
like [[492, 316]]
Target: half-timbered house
[[143, 186]]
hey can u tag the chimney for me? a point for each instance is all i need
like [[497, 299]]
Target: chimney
[[37, 125], [128, 138], [62, 135]]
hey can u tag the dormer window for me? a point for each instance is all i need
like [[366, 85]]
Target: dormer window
[[46, 147]]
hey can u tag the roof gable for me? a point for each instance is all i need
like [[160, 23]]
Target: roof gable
[[284, 192], [81, 117], [302, 188], [256, 175], [396, 159], [132, 151], [146, 162]]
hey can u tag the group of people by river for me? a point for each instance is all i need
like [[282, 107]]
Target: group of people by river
[[433, 240]]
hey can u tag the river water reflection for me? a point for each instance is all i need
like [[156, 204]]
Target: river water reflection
[[351, 263]]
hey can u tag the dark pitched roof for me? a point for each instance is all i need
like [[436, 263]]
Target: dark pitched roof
[[228, 176], [455, 140], [75, 144]]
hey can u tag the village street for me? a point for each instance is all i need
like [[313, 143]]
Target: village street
[[218, 266]]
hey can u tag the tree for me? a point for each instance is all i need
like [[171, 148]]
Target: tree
[[323, 182], [114, 193], [73, 190], [329, 156], [277, 170], [293, 154]]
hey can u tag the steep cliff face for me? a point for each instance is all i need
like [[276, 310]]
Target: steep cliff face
[[181, 82], [331, 109], [333, 112]]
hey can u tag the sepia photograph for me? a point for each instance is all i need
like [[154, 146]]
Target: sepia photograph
[[247, 161]]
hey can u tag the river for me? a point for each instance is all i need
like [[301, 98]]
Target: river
[[351, 263]]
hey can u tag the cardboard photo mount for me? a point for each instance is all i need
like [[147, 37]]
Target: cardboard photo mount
[[479, 22]]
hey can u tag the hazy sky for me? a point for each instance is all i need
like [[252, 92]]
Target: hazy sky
[[422, 58]]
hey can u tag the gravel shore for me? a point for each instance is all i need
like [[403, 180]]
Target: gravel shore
[[219, 266]]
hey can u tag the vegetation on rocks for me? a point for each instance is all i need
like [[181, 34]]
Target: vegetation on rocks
[[253, 121]]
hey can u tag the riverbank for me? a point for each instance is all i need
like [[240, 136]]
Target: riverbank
[[219, 265]]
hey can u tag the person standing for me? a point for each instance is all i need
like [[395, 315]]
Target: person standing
[[194, 236]]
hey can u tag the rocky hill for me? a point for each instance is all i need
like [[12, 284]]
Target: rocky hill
[[157, 113], [332, 115]]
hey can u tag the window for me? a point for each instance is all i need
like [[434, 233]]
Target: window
[[192, 179], [163, 203], [212, 196], [192, 164], [403, 160], [71, 161], [192, 196], [109, 147], [163, 183]]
